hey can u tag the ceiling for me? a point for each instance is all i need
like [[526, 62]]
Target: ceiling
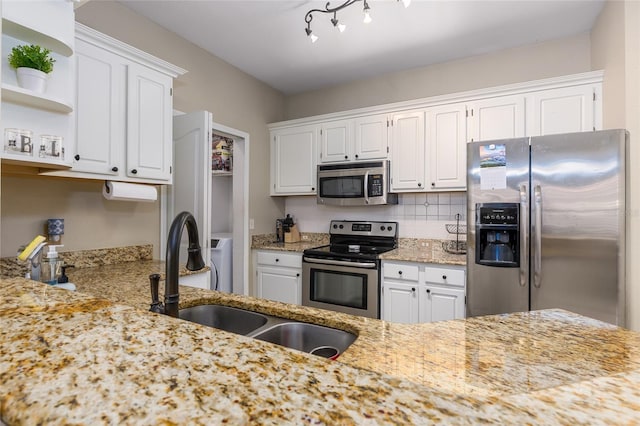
[[266, 38]]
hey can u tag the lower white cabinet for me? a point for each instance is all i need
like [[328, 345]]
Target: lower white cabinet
[[278, 276], [419, 292]]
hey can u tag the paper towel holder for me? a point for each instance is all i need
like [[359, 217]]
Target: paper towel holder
[[124, 191]]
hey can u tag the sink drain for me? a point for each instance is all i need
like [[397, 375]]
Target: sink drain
[[326, 352]]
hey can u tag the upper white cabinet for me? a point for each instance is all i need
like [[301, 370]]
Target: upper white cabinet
[[407, 153], [371, 137], [563, 110], [362, 138], [293, 160], [124, 112], [496, 118], [426, 138], [336, 141], [39, 116], [446, 147]]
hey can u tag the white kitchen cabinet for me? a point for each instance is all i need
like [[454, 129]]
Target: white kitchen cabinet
[[149, 115], [447, 147], [501, 117], [48, 24], [124, 113], [441, 304], [293, 160], [442, 297], [400, 292], [336, 141], [279, 276], [362, 138], [564, 110], [371, 140], [420, 292], [408, 151]]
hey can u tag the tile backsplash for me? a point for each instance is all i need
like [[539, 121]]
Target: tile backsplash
[[418, 215]]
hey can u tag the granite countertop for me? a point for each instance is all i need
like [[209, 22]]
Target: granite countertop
[[98, 356], [409, 249]]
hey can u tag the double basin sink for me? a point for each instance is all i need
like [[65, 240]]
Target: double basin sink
[[315, 339]]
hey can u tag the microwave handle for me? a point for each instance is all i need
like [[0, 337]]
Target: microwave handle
[[366, 187]]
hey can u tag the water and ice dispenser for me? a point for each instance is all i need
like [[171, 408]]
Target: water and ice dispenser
[[497, 234]]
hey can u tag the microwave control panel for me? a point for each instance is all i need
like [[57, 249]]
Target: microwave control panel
[[375, 185]]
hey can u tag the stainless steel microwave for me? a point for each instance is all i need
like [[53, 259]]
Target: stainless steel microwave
[[355, 184]]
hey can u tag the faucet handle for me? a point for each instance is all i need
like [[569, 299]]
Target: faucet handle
[[156, 305]]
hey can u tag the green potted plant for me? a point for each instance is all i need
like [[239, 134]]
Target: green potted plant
[[32, 63]]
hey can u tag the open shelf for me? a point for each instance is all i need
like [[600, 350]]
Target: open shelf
[[221, 173], [32, 36], [32, 162], [18, 95]]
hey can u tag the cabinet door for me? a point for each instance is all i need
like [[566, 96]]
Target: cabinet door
[[407, 152], [446, 147], [371, 137], [100, 106], [280, 284], [293, 161], [149, 120], [564, 110], [441, 304], [497, 118], [400, 303], [336, 141]]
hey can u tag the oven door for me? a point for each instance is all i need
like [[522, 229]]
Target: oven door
[[342, 286]]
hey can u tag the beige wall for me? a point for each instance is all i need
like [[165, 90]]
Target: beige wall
[[235, 99], [616, 49], [549, 59], [90, 220]]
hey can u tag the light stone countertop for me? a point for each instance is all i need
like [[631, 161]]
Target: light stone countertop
[[409, 249], [70, 357]]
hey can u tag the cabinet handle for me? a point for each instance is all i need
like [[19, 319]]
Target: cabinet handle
[[77, 157], [346, 157], [428, 291], [114, 169], [277, 260], [313, 189], [433, 184], [419, 185], [413, 289], [134, 171], [297, 275], [444, 277], [399, 272], [356, 155]]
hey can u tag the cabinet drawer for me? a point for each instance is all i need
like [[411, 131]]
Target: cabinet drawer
[[280, 259], [444, 276], [401, 271]]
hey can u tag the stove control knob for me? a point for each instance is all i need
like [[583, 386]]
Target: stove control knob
[[335, 226], [389, 228], [341, 226], [382, 228]]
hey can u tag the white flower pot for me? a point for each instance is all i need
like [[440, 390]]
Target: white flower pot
[[32, 79]]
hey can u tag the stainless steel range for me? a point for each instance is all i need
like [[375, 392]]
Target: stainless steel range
[[344, 276]]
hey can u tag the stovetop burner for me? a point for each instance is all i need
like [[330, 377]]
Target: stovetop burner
[[358, 240]]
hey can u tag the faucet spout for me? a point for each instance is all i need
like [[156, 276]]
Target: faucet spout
[[194, 261]]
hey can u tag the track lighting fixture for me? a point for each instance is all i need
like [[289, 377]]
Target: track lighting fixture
[[336, 23]]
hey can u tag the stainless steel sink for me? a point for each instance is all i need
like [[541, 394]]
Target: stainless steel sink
[[315, 339], [225, 318]]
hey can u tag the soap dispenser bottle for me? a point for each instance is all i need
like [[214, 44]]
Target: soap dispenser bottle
[[51, 266]]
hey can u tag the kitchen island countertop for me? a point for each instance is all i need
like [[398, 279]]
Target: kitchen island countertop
[[97, 356]]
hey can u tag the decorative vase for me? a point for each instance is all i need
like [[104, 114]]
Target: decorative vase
[[32, 79]]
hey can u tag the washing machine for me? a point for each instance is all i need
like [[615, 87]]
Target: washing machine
[[222, 262]]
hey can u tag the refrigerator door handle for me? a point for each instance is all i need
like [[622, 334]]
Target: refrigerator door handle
[[537, 248], [524, 232]]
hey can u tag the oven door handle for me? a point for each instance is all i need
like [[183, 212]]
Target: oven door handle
[[370, 265]]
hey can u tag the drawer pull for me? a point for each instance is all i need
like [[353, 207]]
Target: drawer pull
[[277, 260], [399, 272], [429, 291], [444, 277], [413, 289]]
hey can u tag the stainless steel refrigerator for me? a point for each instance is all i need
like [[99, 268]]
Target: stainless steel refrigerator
[[546, 224]]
